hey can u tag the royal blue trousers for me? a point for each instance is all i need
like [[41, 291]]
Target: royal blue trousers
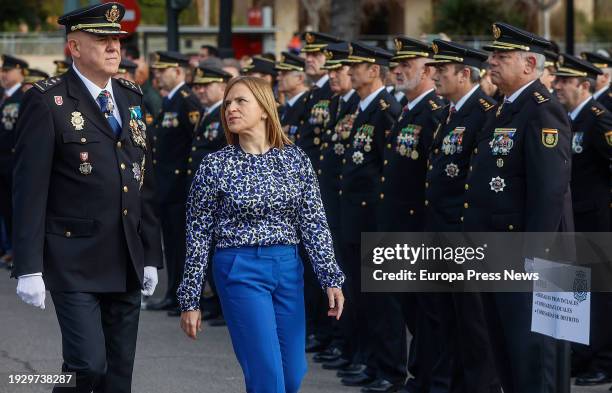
[[262, 295]]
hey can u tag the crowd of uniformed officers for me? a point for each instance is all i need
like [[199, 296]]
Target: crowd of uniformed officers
[[436, 137]]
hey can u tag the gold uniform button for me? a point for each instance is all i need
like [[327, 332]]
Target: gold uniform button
[[122, 166], [344, 160], [461, 218], [430, 167], [340, 177], [426, 184], [154, 138], [198, 138], [190, 159], [319, 172], [154, 161], [176, 171], [411, 212], [426, 202], [467, 186], [382, 179], [388, 145], [325, 144], [83, 140], [475, 150], [363, 203], [382, 195], [193, 148], [119, 144], [125, 212], [466, 205], [321, 157], [154, 150], [340, 192], [68, 234], [386, 162], [189, 171], [436, 151], [471, 167], [511, 227], [125, 188]]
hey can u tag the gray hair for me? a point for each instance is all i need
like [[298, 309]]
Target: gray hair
[[474, 72], [539, 58]]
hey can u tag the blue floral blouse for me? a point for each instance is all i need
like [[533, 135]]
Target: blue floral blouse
[[241, 199]]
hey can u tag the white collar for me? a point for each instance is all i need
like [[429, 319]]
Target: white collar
[[348, 95], [322, 80], [12, 90], [413, 103], [173, 91], [94, 90], [463, 99], [364, 103], [517, 93], [390, 88], [599, 92], [399, 95], [574, 114], [293, 99], [213, 106]]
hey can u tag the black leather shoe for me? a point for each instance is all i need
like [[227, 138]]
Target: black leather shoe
[[175, 312], [327, 356], [165, 305], [360, 379], [379, 385], [313, 345], [592, 378], [207, 315], [350, 370], [219, 321], [336, 364]]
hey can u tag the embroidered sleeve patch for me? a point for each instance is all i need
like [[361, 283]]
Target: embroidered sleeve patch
[[550, 137]]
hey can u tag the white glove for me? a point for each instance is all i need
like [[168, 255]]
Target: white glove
[[150, 280], [31, 289]]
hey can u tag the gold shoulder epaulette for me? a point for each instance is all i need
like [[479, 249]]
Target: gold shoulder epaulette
[[486, 105], [539, 97], [130, 85], [597, 111], [434, 106], [46, 84]]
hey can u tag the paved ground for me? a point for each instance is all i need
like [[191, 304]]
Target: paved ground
[[166, 361]]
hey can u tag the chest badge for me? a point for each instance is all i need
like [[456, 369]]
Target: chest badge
[[577, 140], [59, 100], [550, 137], [497, 184], [452, 170], [85, 167], [77, 121]]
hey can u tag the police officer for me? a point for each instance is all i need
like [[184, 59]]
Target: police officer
[[85, 226], [603, 93], [209, 85], [391, 83], [400, 208], [459, 354], [362, 167], [519, 181], [173, 135], [591, 154], [319, 98], [292, 83], [334, 142], [127, 70], [11, 79]]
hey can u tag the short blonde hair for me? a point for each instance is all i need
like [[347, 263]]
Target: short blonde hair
[[263, 94]]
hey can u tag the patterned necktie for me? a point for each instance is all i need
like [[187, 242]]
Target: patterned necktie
[[451, 112], [105, 101]]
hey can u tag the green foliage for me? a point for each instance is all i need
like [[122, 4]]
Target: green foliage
[[600, 30], [32, 12], [473, 17]]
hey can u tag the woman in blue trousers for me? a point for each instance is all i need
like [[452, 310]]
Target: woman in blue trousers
[[256, 199]]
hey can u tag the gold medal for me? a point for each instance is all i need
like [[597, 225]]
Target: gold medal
[[367, 148], [414, 155], [317, 141], [77, 121], [500, 162]]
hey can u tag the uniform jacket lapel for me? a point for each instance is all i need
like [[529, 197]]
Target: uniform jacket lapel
[[122, 106], [85, 104]]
